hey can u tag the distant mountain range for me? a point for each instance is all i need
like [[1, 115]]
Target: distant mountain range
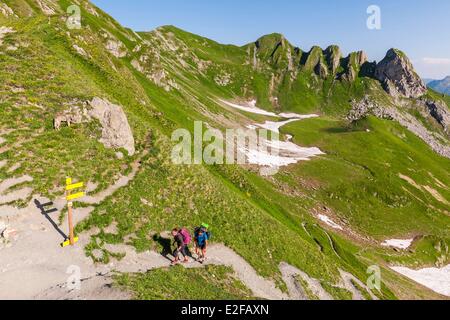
[[441, 86]]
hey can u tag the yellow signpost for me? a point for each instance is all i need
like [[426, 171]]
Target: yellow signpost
[[70, 197]]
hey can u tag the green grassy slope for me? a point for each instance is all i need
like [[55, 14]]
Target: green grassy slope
[[211, 283]]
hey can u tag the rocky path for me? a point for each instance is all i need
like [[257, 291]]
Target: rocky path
[[34, 266]]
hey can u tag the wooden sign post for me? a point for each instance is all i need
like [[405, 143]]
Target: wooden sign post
[[70, 197]]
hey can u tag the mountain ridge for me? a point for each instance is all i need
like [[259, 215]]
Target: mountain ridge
[[441, 86]]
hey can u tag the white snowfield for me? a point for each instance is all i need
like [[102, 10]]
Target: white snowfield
[[250, 108], [288, 153], [282, 153], [435, 279], [329, 222], [398, 243]]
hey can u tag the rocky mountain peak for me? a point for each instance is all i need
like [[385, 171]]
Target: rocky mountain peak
[[333, 56], [275, 49], [361, 57], [398, 76], [269, 43]]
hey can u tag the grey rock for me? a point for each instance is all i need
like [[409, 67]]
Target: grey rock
[[333, 56], [116, 131], [6, 11], [75, 115], [398, 76], [321, 70], [116, 48], [367, 107], [119, 155], [439, 112]]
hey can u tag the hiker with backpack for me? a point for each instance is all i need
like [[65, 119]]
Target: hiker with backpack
[[182, 239], [201, 238]]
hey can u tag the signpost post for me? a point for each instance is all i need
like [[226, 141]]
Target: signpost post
[[70, 197]]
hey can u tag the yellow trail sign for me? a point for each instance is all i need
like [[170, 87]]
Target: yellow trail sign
[[74, 186], [67, 243], [75, 196], [69, 197]]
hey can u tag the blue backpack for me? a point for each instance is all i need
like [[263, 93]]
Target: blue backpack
[[198, 229]]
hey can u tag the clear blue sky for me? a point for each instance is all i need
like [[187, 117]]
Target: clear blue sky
[[421, 28]]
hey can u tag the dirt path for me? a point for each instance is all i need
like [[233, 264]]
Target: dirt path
[[97, 285], [32, 260], [34, 266]]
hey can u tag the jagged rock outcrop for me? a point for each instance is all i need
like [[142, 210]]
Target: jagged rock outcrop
[[353, 64], [47, 7], [116, 131], [333, 56], [116, 48], [312, 58], [367, 107], [6, 11], [276, 51], [398, 77], [315, 61], [439, 112], [321, 70]]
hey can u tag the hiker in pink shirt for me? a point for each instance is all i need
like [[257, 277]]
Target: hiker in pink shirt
[[182, 238]]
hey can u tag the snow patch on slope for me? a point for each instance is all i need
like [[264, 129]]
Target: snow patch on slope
[[281, 153], [329, 222], [398, 243], [435, 279]]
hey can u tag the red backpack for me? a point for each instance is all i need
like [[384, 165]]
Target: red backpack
[[186, 236]]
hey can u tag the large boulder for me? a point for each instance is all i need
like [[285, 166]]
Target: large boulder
[[116, 131], [398, 76]]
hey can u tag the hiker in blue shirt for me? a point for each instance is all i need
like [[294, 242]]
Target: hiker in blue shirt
[[201, 243]]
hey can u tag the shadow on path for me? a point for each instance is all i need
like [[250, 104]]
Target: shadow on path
[[166, 245], [45, 212]]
